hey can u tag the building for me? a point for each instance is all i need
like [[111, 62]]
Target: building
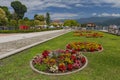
[[91, 26]]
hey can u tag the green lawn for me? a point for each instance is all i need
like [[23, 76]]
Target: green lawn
[[101, 66]]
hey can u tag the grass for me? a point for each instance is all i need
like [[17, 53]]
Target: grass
[[101, 66]]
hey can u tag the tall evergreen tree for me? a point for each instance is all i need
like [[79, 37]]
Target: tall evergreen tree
[[47, 19]]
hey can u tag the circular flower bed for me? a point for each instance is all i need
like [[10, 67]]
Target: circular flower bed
[[59, 62], [88, 34], [94, 35], [84, 46]]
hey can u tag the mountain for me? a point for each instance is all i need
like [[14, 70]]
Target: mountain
[[115, 21], [103, 21], [94, 19]]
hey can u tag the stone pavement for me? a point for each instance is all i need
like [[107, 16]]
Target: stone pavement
[[104, 30], [15, 43]]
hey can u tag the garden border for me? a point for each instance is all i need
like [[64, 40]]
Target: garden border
[[87, 52], [93, 52], [41, 72]]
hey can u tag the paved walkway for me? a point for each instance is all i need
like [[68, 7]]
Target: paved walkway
[[104, 30], [15, 43]]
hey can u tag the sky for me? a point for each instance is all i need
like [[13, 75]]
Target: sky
[[69, 9]]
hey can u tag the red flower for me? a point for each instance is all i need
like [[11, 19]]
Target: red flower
[[70, 67], [68, 46], [73, 57], [92, 49], [45, 53], [73, 52], [78, 49], [62, 67], [83, 60], [67, 51]]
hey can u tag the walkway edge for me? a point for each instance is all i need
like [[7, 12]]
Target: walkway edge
[[29, 46]]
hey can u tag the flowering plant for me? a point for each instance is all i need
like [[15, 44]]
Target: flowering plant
[[88, 33], [84, 46], [70, 67], [58, 61], [95, 35], [53, 68], [62, 67]]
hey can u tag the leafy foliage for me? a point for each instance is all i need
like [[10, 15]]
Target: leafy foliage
[[7, 12], [47, 18], [3, 18], [13, 23], [40, 67], [36, 22], [19, 9], [39, 17], [71, 23]]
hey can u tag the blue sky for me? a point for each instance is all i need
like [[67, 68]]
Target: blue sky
[[69, 9]]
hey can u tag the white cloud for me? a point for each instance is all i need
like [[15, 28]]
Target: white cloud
[[104, 14], [109, 14], [78, 5], [112, 3], [56, 5], [63, 15], [43, 4], [94, 14], [37, 5], [61, 3]]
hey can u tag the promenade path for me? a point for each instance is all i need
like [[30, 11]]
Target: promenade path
[[11, 44]]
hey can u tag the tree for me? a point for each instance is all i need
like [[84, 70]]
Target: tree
[[78, 25], [26, 19], [67, 23], [32, 24], [20, 22], [47, 19], [70, 23], [14, 16], [39, 17], [7, 12], [13, 23], [36, 22], [83, 25], [35, 16], [54, 24], [19, 9], [3, 18]]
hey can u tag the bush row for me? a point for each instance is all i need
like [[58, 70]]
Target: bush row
[[27, 31]]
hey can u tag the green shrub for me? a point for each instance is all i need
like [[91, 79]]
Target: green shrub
[[28, 31]]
